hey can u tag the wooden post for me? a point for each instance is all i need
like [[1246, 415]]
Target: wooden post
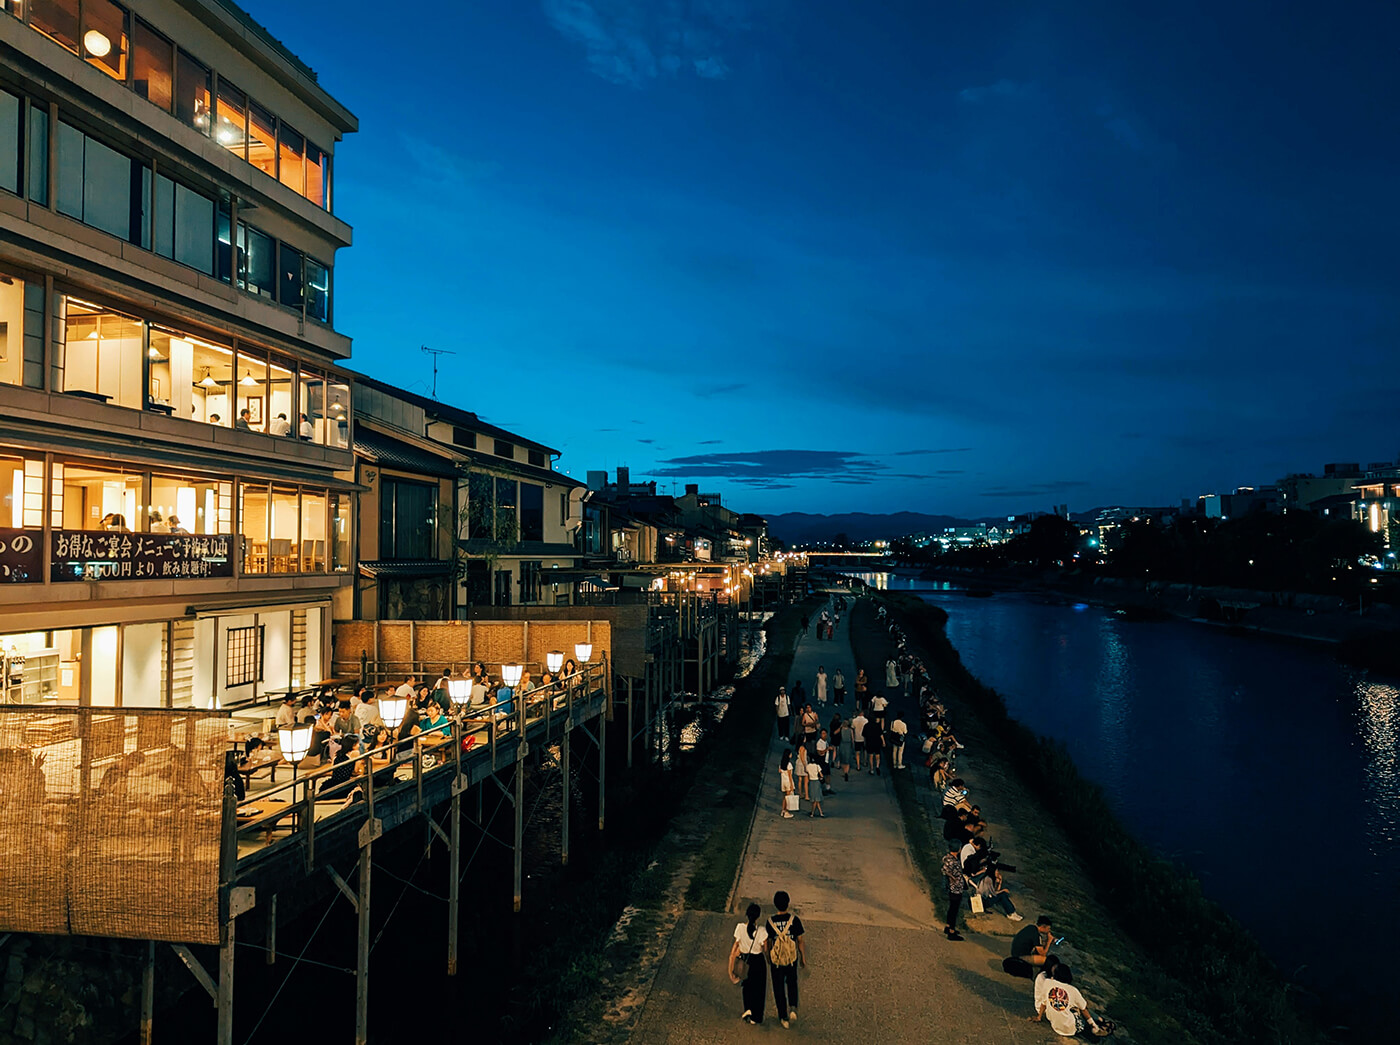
[[272, 930], [362, 948], [228, 864], [519, 824], [224, 1035], [148, 993], [631, 728], [453, 884], [602, 765], [564, 772]]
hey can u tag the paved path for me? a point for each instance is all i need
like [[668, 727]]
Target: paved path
[[879, 968]]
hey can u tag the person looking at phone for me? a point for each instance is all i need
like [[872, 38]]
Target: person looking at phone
[[1032, 944]]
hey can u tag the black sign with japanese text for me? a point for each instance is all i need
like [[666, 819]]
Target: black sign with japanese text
[[21, 556], [80, 555]]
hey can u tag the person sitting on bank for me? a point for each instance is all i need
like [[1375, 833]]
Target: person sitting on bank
[[1032, 943], [1059, 1001], [985, 876], [280, 425]]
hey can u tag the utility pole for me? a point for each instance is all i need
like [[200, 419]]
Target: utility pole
[[435, 352]]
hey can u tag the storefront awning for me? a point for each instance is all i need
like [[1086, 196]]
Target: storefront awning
[[405, 568]]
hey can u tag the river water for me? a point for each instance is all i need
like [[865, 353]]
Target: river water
[[1267, 768]]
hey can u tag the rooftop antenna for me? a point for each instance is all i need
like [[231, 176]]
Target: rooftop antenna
[[435, 352]]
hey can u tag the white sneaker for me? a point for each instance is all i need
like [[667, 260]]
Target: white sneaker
[[1013, 916]]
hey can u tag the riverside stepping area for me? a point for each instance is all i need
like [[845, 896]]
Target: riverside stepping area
[[879, 968]]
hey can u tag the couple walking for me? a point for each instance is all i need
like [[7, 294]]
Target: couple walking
[[776, 944]]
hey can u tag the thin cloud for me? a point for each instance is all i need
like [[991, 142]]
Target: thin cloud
[[710, 391], [843, 466], [633, 42], [1035, 489], [1000, 89]]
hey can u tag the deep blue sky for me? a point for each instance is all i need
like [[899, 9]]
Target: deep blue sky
[[946, 256]]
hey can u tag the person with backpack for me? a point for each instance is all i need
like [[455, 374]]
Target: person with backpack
[[750, 940], [786, 952]]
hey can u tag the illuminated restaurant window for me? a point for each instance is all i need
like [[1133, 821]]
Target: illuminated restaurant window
[[21, 492], [21, 332], [153, 66], [337, 414], [310, 421], [96, 498], [104, 353], [189, 504], [262, 139], [252, 522], [340, 532], [291, 170], [313, 533], [283, 550], [251, 390], [318, 176], [192, 93], [232, 124], [56, 19], [104, 37]]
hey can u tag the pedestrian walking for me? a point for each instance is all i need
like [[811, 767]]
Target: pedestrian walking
[[806, 623], [746, 956], [821, 685], [802, 761], [785, 785], [874, 744], [786, 951], [953, 873], [814, 791], [783, 704], [838, 688], [841, 737], [811, 726], [858, 725], [799, 696], [824, 756], [891, 674], [898, 732], [878, 704], [862, 683]]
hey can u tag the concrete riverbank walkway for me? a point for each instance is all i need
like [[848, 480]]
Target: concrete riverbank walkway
[[879, 968]]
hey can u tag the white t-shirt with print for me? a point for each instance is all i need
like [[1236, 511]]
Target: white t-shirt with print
[[814, 771], [1058, 999]]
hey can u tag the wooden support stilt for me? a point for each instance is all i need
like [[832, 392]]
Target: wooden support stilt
[[369, 831], [148, 993], [564, 777], [631, 727], [454, 851], [519, 827], [602, 766], [272, 930], [224, 1003]]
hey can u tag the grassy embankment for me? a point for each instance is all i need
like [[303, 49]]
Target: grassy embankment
[[635, 877], [1220, 988]]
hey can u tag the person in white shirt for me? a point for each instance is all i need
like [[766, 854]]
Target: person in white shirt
[[878, 703], [820, 687], [287, 713], [814, 778], [408, 688], [280, 425], [858, 735], [784, 708], [1059, 1001], [305, 430], [368, 714], [898, 731], [747, 956]]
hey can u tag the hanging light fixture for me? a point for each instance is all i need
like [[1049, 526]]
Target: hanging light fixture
[[207, 381], [247, 380], [97, 43]]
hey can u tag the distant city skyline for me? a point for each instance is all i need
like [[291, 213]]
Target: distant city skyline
[[824, 257]]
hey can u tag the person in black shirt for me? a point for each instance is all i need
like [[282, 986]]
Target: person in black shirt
[[785, 923]]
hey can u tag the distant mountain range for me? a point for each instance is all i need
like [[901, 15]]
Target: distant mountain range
[[804, 528]]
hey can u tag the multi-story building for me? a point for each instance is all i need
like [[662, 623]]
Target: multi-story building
[[513, 516], [175, 435]]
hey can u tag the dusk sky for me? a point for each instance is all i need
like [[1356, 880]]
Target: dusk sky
[[951, 257]]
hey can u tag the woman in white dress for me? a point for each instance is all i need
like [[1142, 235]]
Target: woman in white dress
[[785, 784], [821, 685]]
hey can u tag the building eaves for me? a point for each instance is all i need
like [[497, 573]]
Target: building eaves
[[394, 453], [453, 414], [405, 567]]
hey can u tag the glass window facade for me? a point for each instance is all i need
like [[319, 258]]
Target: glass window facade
[[192, 93], [11, 141], [39, 154], [105, 43], [105, 352], [101, 187], [232, 123], [292, 287], [21, 493], [407, 519], [153, 66], [21, 331], [56, 19], [531, 512]]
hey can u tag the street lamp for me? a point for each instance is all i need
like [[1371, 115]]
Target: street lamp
[[392, 709], [584, 652], [460, 691], [295, 742], [510, 674], [554, 660]]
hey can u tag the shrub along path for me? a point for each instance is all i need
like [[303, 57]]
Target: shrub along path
[[879, 967]]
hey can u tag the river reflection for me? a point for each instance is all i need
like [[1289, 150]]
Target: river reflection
[[1236, 755]]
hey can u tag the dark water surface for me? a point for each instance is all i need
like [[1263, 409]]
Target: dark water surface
[[1268, 768]]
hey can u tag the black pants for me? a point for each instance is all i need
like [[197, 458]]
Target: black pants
[[755, 987], [784, 726], [785, 989], [954, 902]]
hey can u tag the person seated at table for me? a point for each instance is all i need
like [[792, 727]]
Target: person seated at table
[[441, 693], [344, 717], [232, 776], [255, 753], [570, 668], [309, 710], [287, 713], [347, 767], [408, 729], [435, 723], [505, 701], [321, 734], [369, 713]]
